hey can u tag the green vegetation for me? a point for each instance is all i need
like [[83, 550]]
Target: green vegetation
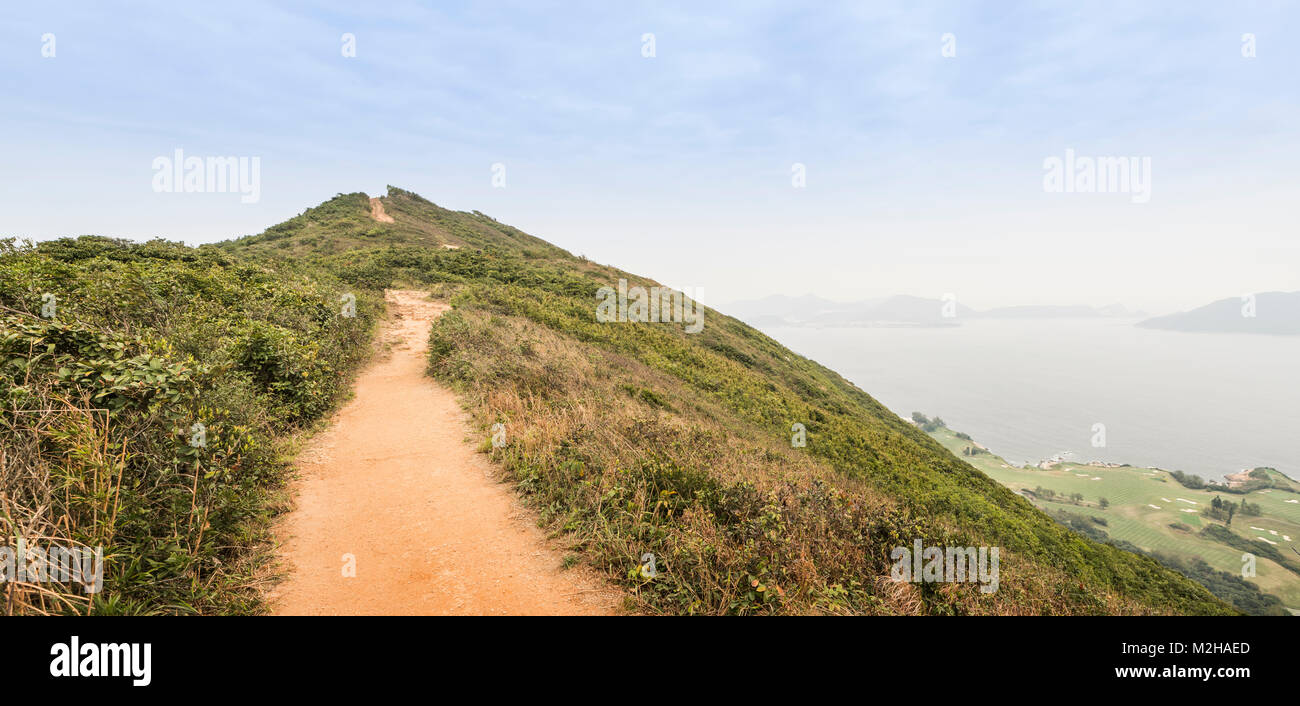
[[1184, 528], [1242, 594], [1220, 533], [701, 473], [625, 438], [928, 425], [1187, 480], [1257, 479], [101, 402]]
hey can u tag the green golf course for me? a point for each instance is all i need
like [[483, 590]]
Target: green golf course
[[1150, 509]]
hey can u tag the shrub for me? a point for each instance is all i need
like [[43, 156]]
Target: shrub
[[101, 403]]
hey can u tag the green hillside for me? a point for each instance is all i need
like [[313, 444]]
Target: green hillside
[[626, 438]]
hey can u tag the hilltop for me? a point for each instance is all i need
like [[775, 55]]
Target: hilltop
[[1266, 312], [626, 439], [644, 438]]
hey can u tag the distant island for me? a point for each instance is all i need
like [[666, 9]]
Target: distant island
[[1275, 313], [900, 311]]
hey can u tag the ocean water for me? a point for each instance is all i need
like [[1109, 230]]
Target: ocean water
[[1205, 403]]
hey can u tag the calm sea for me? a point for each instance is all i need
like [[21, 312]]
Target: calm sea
[[1208, 404]]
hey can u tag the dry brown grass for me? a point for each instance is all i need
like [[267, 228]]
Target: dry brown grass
[[577, 435], [66, 500]]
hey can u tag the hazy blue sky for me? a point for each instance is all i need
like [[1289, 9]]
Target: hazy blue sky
[[924, 172]]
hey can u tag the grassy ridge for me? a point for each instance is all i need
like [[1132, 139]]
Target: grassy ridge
[[628, 439], [642, 438]]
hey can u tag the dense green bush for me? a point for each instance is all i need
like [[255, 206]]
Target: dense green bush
[[145, 414]]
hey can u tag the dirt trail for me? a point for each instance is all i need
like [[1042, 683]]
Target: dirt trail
[[377, 211], [394, 484]]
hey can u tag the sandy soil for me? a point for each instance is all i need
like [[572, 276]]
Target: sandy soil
[[394, 485], [377, 211], [1237, 479]]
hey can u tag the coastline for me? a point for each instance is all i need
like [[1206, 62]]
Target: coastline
[[1149, 509]]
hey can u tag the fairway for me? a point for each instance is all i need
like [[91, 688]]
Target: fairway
[[1145, 502]]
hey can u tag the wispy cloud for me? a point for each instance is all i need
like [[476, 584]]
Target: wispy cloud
[[906, 150]]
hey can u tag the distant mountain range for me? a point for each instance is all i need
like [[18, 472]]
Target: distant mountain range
[[900, 310], [1267, 312]]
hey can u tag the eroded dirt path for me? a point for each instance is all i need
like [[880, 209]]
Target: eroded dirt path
[[377, 211], [394, 485]]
